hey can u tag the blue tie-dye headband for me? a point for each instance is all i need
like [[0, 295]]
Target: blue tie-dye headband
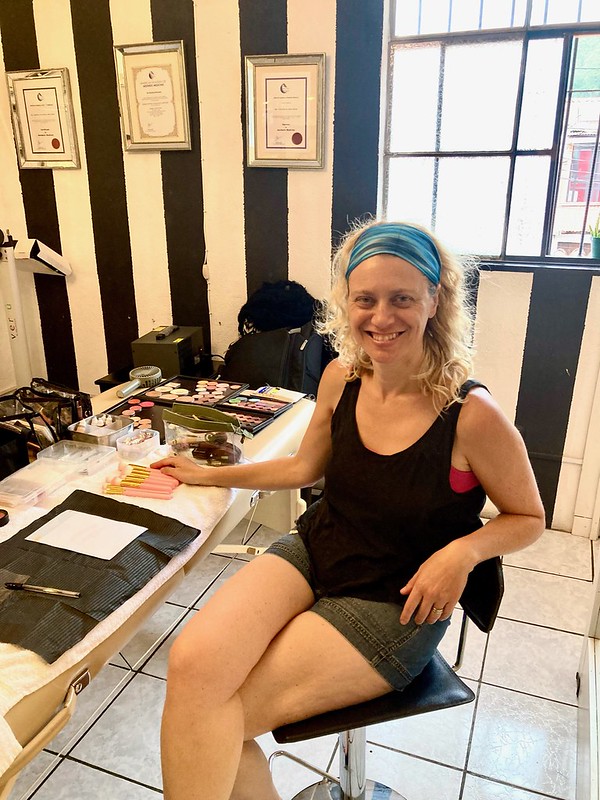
[[397, 239]]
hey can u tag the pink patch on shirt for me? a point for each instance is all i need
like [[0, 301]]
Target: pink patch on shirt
[[462, 480]]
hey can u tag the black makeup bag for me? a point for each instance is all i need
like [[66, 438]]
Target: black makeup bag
[[41, 413]]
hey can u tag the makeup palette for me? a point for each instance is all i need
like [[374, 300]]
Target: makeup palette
[[250, 401], [201, 391], [144, 414], [253, 423], [253, 410]]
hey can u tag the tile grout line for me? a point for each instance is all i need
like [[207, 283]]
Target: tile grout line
[[548, 572], [533, 792], [76, 760]]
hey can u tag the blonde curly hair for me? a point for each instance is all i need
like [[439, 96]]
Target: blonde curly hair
[[447, 344]]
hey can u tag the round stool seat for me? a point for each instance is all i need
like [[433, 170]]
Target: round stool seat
[[327, 790]]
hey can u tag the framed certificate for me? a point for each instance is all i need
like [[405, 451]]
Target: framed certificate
[[153, 96], [42, 118], [285, 110]]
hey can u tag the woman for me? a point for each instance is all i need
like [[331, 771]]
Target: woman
[[354, 605]]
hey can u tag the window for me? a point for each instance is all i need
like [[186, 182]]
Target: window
[[579, 175], [493, 124]]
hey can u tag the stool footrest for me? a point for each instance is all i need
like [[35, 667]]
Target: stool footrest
[[324, 790]]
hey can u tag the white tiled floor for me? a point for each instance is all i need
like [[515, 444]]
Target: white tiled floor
[[516, 742]]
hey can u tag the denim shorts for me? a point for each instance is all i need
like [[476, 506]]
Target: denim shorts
[[397, 652]]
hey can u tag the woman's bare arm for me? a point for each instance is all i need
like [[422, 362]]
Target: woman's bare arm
[[496, 453]]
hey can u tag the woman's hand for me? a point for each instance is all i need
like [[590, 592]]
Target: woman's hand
[[437, 585], [186, 471]]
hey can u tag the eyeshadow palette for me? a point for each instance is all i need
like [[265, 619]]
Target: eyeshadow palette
[[143, 413], [253, 423], [253, 411], [185, 389], [252, 402]]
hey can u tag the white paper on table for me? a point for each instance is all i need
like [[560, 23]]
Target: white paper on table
[[87, 534]]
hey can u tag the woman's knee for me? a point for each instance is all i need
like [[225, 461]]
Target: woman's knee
[[198, 665]]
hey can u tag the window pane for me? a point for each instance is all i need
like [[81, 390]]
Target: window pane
[[577, 184], [414, 98], [406, 17], [465, 15], [480, 89], [471, 203], [410, 190], [434, 16], [503, 14], [540, 94], [549, 12], [526, 223], [590, 11]]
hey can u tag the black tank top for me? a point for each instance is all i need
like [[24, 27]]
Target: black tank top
[[381, 516]]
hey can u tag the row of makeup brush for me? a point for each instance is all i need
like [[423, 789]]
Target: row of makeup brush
[[135, 480]]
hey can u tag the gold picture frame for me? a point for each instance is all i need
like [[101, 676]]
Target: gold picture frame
[[42, 119], [285, 110], [153, 96]]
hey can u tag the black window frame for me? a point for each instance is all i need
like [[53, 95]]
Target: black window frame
[[526, 34]]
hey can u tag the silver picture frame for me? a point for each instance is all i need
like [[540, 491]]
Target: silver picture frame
[[285, 110], [153, 97], [42, 118]]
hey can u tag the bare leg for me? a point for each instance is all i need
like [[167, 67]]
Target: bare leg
[[253, 780], [202, 760], [285, 686], [203, 720], [242, 668]]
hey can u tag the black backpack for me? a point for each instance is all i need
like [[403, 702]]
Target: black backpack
[[288, 357]]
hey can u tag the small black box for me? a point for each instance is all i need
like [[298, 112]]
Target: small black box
[[178, 353]]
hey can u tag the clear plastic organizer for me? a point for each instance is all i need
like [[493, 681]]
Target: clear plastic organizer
[[30, 484], [211, 437], [84, 458], [137, 444], [210, 448], [103, 429]]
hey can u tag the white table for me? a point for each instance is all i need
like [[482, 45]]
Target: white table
[[38, 699]]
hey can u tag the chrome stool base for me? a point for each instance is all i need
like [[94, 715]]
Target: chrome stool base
[[327, 790]]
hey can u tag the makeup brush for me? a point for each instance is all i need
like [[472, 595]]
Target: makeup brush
[[133, 492]]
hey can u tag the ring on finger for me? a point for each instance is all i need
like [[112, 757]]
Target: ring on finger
[[435, 610]]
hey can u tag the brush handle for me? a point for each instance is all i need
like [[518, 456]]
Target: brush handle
[[148, 493], [151, 479], [131, 492]]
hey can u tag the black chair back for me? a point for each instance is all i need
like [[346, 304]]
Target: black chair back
[[483, 593]]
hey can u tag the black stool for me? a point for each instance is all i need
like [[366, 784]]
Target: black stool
[[437, 687]]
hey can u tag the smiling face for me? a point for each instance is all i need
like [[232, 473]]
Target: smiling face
[[389, 305]]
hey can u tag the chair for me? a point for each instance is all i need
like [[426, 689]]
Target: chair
[[435, 688]]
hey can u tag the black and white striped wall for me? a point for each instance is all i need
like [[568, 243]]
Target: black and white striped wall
[[184, 236]]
